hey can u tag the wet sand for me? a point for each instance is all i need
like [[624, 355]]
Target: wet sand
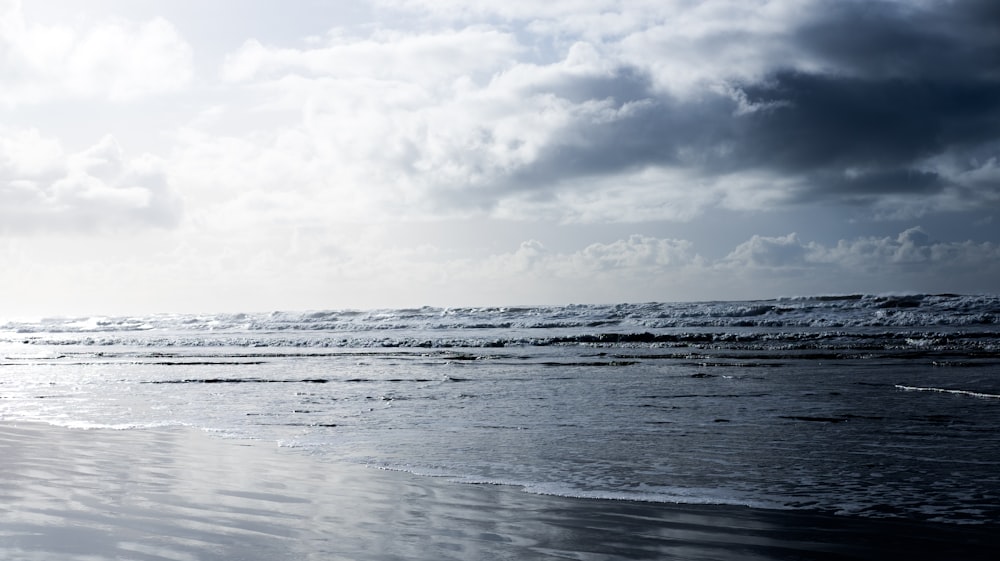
[[177, 494]]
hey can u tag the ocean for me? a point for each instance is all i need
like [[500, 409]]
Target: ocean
[[861, 405]]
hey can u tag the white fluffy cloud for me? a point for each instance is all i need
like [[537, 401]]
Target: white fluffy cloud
[[115, 60], [402, 126], [443, 123], [44, 189], [770, 252], [683, 45], [428, 59], [913, 251]]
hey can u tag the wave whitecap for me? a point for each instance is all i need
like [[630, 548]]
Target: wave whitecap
[[946, 390]]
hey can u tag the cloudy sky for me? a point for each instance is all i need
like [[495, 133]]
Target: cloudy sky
[[251, 155]]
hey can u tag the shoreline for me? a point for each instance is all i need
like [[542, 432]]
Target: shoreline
[[180, 494]]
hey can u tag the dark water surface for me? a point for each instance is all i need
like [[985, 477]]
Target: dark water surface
[[878, 407]]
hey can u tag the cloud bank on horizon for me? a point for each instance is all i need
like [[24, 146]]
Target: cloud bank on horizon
[[407, 152]]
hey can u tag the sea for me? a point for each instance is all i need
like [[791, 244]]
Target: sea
[[881, 406]]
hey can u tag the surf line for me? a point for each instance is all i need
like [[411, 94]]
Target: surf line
[[944, 390]]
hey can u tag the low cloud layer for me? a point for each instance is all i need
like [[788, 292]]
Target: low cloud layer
[[353, 272]]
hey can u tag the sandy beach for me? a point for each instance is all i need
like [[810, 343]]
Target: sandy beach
[[179, 494]]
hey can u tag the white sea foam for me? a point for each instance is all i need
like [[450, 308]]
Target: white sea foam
[[672, 495], [666, 495], [90, 425], [843, 311], [947, 390]]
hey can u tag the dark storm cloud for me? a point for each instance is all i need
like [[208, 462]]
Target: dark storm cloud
[[656, 131], [910, 39], [863, 187], [891, 85], [828, 121]]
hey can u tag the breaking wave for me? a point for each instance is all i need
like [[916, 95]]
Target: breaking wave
[[825, 324]]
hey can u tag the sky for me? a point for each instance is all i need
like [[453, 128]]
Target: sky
[[256, 155]]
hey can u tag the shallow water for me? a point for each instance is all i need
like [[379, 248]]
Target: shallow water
[[179, 495], [872, 406]]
